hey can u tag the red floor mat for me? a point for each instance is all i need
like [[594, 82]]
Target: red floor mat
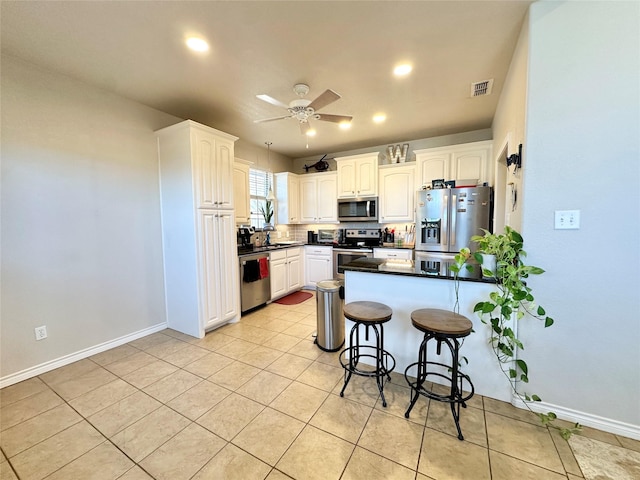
[[294, 298]]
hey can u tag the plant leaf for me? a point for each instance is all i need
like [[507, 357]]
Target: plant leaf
[[548, 322], [522, 365]]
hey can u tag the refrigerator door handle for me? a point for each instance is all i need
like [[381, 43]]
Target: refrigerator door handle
[[454, 215], [444, 228]]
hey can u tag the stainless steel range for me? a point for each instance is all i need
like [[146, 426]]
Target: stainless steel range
[[358, 243]]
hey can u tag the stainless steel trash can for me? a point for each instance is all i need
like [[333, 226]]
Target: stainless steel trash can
[[329, 304]]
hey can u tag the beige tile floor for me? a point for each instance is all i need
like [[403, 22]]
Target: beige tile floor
[[255, 400]]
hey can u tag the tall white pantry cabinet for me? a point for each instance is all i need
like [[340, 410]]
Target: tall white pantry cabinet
[[198, 227]]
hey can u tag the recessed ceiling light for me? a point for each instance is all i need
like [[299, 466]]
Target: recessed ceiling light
[[402, 70], [379, 117], [311, 132], [345, 125], [197, 44]]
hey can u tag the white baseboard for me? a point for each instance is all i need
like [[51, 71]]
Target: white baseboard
[[74, 357], [588, 420]]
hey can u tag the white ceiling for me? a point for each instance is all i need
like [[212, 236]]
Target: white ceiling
[[136, 49]]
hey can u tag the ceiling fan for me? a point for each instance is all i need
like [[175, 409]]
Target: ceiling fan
[[304, 110]]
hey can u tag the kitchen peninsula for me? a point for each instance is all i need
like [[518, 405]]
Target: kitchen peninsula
[[406, 286]]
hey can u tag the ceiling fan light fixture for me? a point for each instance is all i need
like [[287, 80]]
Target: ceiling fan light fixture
[[379, 118], [345, 125], [197, 44], [311, 132], [402, 70]]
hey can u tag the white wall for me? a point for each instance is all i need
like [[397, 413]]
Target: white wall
[[582, 152], [81, 242], [261, 158], [509, 129]]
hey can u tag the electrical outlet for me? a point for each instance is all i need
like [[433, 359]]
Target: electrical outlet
[[41, 332], [279, 234], [287, 233], [567, 219]]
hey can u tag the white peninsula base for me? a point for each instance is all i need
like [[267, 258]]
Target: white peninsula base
[[403, 294]]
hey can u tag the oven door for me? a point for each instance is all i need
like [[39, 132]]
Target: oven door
[[342, 256]]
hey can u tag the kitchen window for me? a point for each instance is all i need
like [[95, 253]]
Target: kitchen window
[[259, 183]]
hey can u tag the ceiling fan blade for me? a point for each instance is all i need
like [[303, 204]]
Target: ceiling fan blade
[[304, 127], [329, 96], [272, 101], [272, 119], [333, 118]]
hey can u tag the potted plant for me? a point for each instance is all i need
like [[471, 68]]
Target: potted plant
[[267, 213], [512, 301]]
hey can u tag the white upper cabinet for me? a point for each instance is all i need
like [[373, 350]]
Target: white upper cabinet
[[318, 198], [456, 162], [432, 166], [358, 175], [397, 193], [212, 155], [471, 163], [241, 191], [287, 198]]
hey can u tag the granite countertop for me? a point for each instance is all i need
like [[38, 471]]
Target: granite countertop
[[335, 245], [428, 269], [270, 248]]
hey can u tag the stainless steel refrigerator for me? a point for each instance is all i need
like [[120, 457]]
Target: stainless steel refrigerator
[[446, 218]]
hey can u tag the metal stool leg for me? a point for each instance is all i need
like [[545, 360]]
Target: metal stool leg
[[421, 374], [353, 357]]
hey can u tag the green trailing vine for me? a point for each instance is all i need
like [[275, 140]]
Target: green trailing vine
[[512, 299]]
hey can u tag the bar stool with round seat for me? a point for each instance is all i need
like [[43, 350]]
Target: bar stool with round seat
[[367, 315], [448, 328]]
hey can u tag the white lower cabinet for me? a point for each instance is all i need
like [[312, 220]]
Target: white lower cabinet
[[219, 272], [397, 253], [285, 270], [318, 265]]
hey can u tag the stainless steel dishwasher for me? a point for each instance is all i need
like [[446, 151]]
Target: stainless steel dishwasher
[[255, 280]]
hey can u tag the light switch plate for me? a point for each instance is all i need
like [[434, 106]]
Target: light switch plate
[[567, 219]]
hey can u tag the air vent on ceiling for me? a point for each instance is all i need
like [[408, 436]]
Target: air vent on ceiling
[[479, 89]]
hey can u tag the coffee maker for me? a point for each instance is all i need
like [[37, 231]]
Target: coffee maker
[[244, 237]]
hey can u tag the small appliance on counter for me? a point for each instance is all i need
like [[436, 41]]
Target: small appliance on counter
[[326, 236], [244, 239]]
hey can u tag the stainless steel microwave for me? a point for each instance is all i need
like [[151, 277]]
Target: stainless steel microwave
[[358, 209]]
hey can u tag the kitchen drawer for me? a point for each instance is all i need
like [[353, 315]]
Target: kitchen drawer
[[275, 255], [318, 251], [398, 253]]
